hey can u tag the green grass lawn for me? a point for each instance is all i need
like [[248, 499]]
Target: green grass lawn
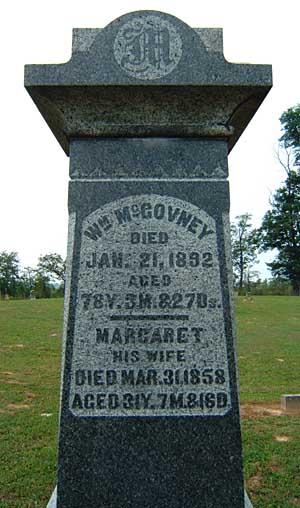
[[30, 349], [268, 332]]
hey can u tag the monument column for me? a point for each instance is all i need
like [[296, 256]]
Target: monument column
[[148, 109]]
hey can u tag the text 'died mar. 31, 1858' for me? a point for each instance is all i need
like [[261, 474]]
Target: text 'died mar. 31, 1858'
[[149, 335]]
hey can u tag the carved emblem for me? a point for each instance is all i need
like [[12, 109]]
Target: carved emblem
[[148, 47]]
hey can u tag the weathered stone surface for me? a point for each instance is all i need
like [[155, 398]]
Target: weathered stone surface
[[248, 503], [53, 499], [291, 403], [150, 384], [148, 109], [106, 90], [178, 158]]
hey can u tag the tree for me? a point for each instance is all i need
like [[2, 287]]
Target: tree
[[41, 286], [244, 240], [280, 227], [27, 282], [280, 230], [53, 267], [290, 121], [9, 273]]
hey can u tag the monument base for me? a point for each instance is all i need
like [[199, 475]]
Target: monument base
[[52, 501]]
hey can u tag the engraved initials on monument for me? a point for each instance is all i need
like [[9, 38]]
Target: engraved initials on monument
[[148, 47]]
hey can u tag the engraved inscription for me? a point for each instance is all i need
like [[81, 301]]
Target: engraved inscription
[[149, 336], [148, 47]]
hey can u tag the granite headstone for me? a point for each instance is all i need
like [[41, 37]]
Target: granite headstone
[[148, 108]]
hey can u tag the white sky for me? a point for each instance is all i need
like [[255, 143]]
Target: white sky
[[34, 177]]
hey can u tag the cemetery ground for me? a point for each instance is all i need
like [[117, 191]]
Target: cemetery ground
[[269, 359]]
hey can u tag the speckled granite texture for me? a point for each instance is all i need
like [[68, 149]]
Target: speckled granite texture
[[148, 109], [156, 90], [52, 501]]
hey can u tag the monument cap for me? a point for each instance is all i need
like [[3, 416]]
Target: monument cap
[[160, 78]]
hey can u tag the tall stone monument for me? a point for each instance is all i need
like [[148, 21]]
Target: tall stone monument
[[148, 109]]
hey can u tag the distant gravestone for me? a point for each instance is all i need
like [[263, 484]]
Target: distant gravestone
[[148, 109], [290, 403]]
